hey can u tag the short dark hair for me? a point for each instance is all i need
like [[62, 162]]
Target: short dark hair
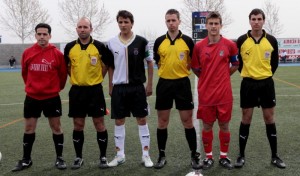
[[125, 14], [43, 25], [173, 11], [256, 12], [214, 14]]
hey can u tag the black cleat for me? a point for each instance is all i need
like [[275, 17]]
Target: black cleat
[[161, 162], [240, 161], [22, 164], [103, 163], [276, 161], [195, 162], [225, 162], [208, 163], [60, 163], [78, 162]]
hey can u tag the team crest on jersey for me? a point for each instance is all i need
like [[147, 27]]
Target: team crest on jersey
[[93, 60], [267, 54], [135, 51], [221, 53], [181, 55]]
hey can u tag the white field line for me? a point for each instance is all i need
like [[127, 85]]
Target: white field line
[[195, 120]]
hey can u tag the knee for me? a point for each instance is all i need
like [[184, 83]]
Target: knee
[[224, 127], [162, 123], [29, 128], [99, 124], [78, 126], [56, 129], [141, 121]]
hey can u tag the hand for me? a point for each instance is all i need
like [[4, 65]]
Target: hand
[[148, 90]]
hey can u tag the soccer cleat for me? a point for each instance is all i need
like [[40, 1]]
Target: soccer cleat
[[240, 161], [78, 162], [225, 162], [22, 164], [208, 163], [103, 163], [276, 161], [117, 161], [60, 163], [195, 161], [146, 161], [161, 162]]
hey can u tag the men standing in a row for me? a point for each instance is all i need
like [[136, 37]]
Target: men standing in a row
[[126, 85], [84, 58], [44, 73], [258, 55], [172, 53], [214, 61]]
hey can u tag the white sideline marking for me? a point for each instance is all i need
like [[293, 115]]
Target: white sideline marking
[[195, 120]]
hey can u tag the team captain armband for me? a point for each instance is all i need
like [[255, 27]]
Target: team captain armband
[[234, 60]]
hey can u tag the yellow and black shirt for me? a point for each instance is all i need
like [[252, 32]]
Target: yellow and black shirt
[[258, 59], [173, 57], [85, 61]]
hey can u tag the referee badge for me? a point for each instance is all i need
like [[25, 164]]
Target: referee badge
[[181, 55], [93, 60], [267, 55]]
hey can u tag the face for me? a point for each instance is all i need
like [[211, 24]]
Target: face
[[42, 36], [125, 25], [84, 29], [172, 22], [213, 26], [256, 22]]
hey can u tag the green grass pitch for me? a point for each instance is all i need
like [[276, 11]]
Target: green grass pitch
[[287, 82]]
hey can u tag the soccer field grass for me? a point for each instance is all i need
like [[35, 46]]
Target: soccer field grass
[[287, 82]]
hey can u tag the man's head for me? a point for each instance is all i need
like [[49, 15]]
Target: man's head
[[172, 20], [43, 34], [213, 23], [257, 19], [84, 28], [125, 21]]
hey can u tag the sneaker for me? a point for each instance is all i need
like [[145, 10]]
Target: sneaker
[[161, 162], [240, 161], [103, 163], [21, 165], [276, 161], [117, 161], [146, 161], [208, 163], [195, 161], [60, 163], [225, 162], [78, 162]]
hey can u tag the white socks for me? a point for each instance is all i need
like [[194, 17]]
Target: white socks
[[145, 139], [120, 139]]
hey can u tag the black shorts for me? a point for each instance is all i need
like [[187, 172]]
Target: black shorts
[[128, 99], [50, 107], [87, 101], [257, 93], [179, 90]]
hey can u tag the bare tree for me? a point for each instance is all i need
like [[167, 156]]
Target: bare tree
[[73, 10], [148, 34], [272, 23], [190, 6], [21, 16]]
